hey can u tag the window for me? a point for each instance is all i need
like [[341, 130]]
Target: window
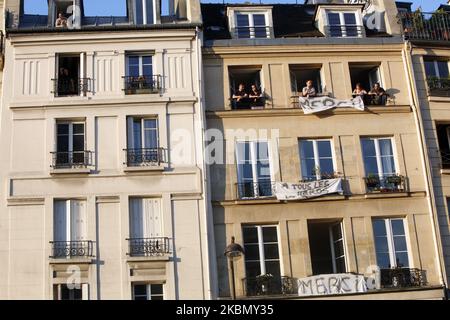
[[327, 246], [148, 291], [367, 75], [139, 75], [261, 251], [316, 158], [70, 229], [143, 141], [146, 227], [443, 135], [390, 243], [245, 79], [66, 292], [378, 156], [344, 24], [252, 25], [70, 145], [143, 12], [254, 172], [436, 68], [300, 74]]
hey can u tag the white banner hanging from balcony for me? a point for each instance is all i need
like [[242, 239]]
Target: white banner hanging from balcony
[[324, 284], [318, 104], [307, 190]]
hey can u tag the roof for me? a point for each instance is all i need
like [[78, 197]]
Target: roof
[[289, 21]]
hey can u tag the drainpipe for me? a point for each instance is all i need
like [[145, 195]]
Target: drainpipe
[[207, 207], [426, 167]]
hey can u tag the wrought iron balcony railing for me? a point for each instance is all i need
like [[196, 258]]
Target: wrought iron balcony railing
[[402, 278], [142, 84], [269, 285], [425, 26], [439, 86], [259, 32], [145, 157], [255, 190], [345, 31], [390, 183], [148, 247], [71, 159], [67, 86], [71, 249]]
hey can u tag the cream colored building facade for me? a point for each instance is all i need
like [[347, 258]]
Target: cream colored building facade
[[102, 173], [347, 233]]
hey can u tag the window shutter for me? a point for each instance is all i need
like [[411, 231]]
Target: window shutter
[[60, 223], [136, 219], [85, 291], [78, 220]]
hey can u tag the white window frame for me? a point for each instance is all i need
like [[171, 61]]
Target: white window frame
[[232, 18], [130, 129], [148, 287], [341, 13], [70, 134], [69, 220], [316, 154], [144, 11], [390, 241], [141, 61], [262, 257], [147, 229], [81, 69], [253, 160], [378, 154], [333, 241], [436, 67]]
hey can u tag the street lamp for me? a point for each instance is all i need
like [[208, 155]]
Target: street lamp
[[233, 252]]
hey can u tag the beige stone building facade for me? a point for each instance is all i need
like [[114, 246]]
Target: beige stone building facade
[[102, 171], [382, 223]]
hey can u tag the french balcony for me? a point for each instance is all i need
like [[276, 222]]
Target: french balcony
[[148, 247], [72, 159], [267, 285], [425, 26], [259, 32], [69, 87], [72, 249], [145, 157], [142, 84], [439, 87], [248, 103], [263, 189], [345, 31], [402, 278], [385, 184]]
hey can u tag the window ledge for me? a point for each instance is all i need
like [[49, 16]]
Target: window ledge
[[165, 257], [257, 201], [87, 260], [437, 98], [377, 195], [143, 168], [70, 171], [445, 171]]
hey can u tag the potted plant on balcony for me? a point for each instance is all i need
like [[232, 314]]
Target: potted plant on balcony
[[263, 282], [373, 182], [143, 86]]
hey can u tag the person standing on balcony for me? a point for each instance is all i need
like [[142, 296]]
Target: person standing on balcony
[[309, 91], [379, 95], [61, 22], [240, 97], [256, 96], [359, 91]]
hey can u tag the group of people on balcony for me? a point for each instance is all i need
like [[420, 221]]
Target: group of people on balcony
[[243, 99], [376, 96]]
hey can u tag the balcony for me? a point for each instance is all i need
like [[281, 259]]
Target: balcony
[[439, 87], [260, 32], [71, 249], [145, 157], [69, 87], [262, 189], [72, 159], [424, 26], [402, 278], [142, 84], [266, 285], [385, 184], [345, 31], [148, 247]]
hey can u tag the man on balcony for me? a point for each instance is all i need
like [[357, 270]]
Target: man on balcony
[[61, 22], [256, 97], [240, 98], [378, 95], [309, 91]]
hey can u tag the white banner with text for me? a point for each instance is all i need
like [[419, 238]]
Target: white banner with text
[[307, 190], [313, 105]]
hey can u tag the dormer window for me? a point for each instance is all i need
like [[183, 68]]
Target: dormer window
[[144, 12], [343, 24], [250, 23]]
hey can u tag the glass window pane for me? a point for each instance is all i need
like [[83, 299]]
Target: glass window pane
[[273, 267], [263, 169], [140, 289], [78, 128], [271, 251], [250, 235], [243, 151], [337, 232], [270, 234], [402, 259], [308, 169], [430, 70], [379, 227], [62, 144], [397, 227], [139, 12], [333, 18], [385, 147], [443, 69], [383, 260], [252, 269], [388, 164], [242, 20], [62, 128], [324, 148], [371, 166], [259, 20], [149, 13], [150, 124], [246, 172], [262, 151], [368, 148], [381, 244], [350, 18], [306, 149], [151, 139], [78, 143], [400, 243], [326, 166], [251, 252], [157, 289], [133, 71], [339, 248], [147, 71], [133, 60]]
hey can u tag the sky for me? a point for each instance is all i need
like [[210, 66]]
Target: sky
[[117, 7]]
